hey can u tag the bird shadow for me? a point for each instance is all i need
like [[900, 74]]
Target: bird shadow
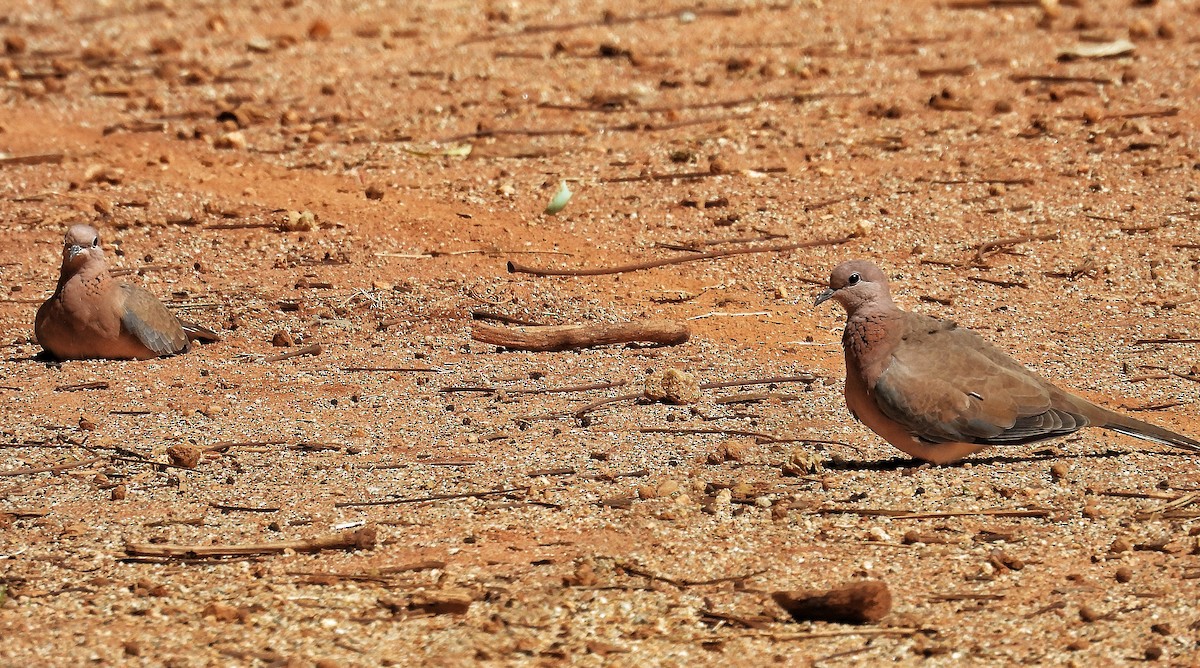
[[899, 463], [43, 357]]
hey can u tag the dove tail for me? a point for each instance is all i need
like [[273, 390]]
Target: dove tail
[[1148, 432], [199, 332]]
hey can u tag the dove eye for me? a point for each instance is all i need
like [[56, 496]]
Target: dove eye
[[95, 242], [853, 280]]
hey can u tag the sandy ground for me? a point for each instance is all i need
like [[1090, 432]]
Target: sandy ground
[[357, 175]]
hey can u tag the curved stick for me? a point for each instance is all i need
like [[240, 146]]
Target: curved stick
[[566, 337], [515, 267]]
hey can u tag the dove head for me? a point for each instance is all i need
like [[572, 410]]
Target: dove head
[[81, 245], [857, 284]]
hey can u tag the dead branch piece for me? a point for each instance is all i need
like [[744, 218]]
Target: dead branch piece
[[362, 538], [392, 369], [517, 268], [314, 349], [57, 468], [986, 248], [898, 514], [1142, 342], [806, 378], [584, 410], [424, 499], [97, 385], [39, 159], [567, 337], [641, 572], [857, 603]]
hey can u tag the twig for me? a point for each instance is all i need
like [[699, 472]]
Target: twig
[[806, 378], [746, 622], [1058, 78], [480, 314], [1148, 341], [817, 635], [38, 159], [314, 349], [988, 247], [243, 509], [571, 388], [567, 337], [682, 584], [579, 413], [761, 437], [815, 206], [999, 282], [98, 385], [362, 538], [687, 176], [30, 470], [514, 267], [897, 514], [393, 369], [424, 499]]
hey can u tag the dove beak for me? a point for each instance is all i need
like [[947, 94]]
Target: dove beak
[[74, 251], [823, 297]]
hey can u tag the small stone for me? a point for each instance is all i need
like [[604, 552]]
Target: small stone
[[319, 29], [132, 648], [1120, 545], [185, 455], [86, 425], [1078, 645], [672, 386], [119, 493], [1140, 28], [374, 191], [223, 612], [1058, 471], [14, 44], [1124, 574], [667, 488], [444, 602], [1162, 629], [1153, 653], [647, 492], [283, 339], [231, 140], [1087, 614], [733, 450], [856, 603]]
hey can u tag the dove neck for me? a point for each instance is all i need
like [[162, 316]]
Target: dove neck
[[85, 271], [867, 334]]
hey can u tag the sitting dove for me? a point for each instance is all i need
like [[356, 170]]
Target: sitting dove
[[941, 393], [91, 315]]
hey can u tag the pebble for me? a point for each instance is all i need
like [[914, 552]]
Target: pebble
[[185, 455]]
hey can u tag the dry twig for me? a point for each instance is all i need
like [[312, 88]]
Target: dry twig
[[362, 538], [517, 268], [567, 337]]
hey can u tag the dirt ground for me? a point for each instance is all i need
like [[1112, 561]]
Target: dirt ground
[[357, 175]]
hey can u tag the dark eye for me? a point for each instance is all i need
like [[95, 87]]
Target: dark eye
[[95, 242], [853, 280]]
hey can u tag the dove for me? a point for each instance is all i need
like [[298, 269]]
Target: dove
[[940, 392], [92, 315]]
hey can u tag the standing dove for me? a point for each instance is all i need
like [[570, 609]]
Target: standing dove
[[941, 393], [91, 315]]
